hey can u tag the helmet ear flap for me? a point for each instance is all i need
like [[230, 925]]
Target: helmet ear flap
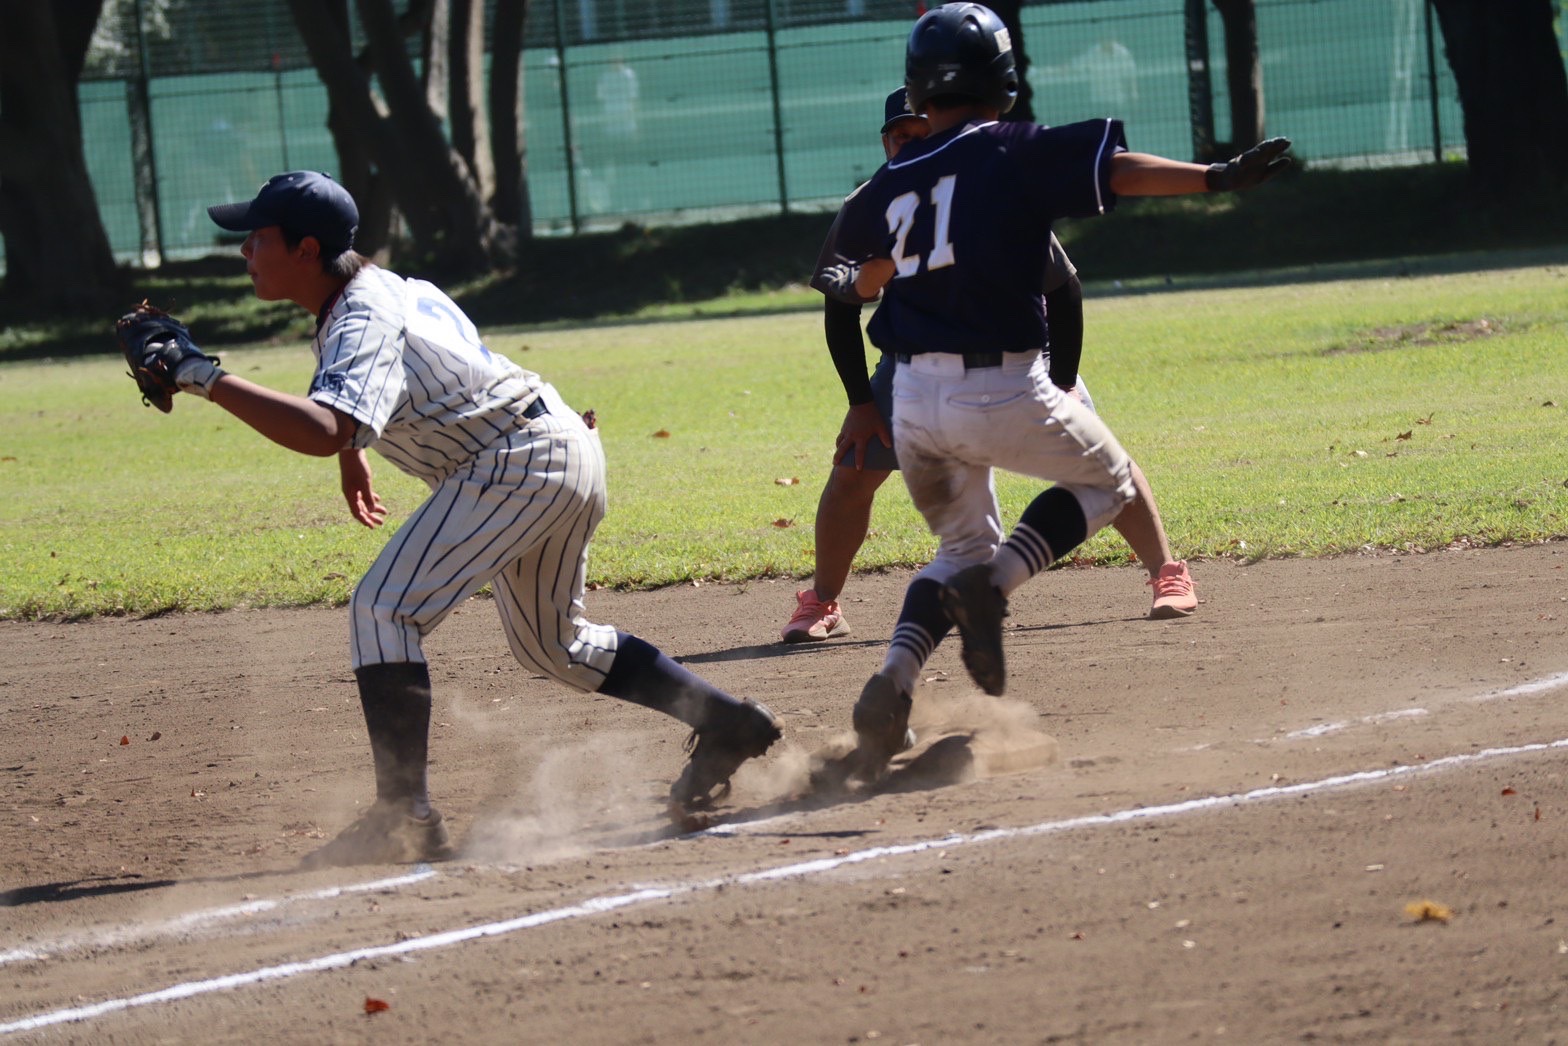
[[964, 50]]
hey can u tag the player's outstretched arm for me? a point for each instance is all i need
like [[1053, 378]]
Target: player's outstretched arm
[[1143, 174], [290, 421]]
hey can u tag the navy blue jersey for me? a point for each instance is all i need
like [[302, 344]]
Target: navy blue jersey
[[966, 217]]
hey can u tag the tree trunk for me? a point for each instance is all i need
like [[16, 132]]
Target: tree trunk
[[507, 144], [450, 223], [453, 229], [469, 120], [1008, 11], [1513, 92], [58, 258], [436, 52], [1243, 75], [353, 117]]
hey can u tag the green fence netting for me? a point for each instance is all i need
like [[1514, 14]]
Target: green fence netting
[[707, 109]]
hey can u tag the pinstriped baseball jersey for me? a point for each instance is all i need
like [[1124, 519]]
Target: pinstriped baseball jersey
[[402, 359], [518, 480]]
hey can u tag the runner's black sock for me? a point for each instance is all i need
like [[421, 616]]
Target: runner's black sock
[[922, 624], [1051, 526]]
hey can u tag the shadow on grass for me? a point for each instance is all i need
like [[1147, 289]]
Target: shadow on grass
[[1304, 226]]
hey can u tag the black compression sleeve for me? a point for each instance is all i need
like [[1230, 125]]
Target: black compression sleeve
[[841, 327], [1064, 319]]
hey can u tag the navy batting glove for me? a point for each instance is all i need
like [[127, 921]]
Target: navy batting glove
[[1253, 167]]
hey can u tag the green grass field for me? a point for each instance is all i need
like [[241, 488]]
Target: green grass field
[[1297, 419]]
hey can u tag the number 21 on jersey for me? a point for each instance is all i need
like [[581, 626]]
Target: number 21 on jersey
[[901, 218]]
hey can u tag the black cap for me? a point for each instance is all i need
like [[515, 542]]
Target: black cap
[[896, 109], [304, 203]]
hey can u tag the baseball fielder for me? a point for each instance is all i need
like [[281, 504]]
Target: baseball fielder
[[954, 233], [517, 481]]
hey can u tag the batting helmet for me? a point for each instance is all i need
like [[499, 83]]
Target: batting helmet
[[963, 50]]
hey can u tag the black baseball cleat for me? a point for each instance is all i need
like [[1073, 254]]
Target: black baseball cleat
[[881, 719], [977, 607], [718, 749], [385, 834]]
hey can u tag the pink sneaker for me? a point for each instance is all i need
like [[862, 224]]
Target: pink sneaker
[[814, 620], [1173, 592]]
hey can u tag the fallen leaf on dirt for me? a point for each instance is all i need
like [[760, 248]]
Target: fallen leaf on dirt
[[662, 434], [1509, 791], [155, 735], [376, 1005], [1429, 911], [783, 524], [125, 740], [787, 481]]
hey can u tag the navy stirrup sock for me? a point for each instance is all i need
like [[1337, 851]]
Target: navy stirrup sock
[[396, 702], [644, 675]]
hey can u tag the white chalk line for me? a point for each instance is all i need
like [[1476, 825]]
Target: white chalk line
[[1534, 686], [190, 922], [600, 905], [1323, 729]]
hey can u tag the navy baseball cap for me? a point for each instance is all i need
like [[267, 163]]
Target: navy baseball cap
[[896, 109], [304, 203]]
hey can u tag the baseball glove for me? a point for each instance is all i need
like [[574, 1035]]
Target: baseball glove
[[155, 344]]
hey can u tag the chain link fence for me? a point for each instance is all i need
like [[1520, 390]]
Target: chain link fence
[[698, 110]]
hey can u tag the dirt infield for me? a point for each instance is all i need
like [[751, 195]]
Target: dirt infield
[[1328, 807]]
